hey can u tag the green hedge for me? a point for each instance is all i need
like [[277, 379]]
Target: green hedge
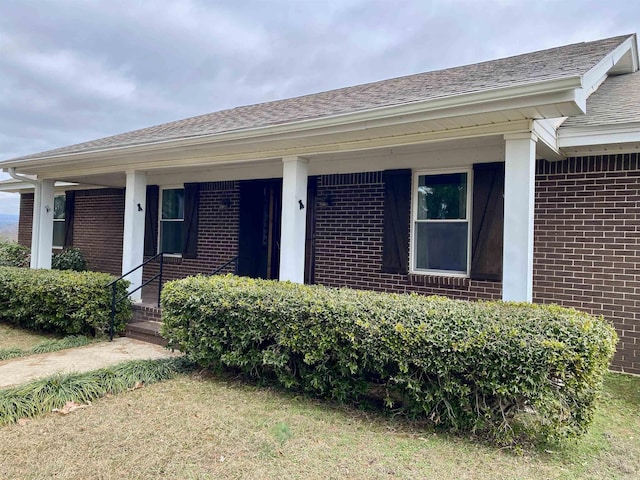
[[511, 372], [64, 302], [12, 254]]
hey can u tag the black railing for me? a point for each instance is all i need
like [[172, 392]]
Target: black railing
[[114, 288], [233, 261]]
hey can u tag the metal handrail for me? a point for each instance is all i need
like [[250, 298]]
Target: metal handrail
[[114, 292], [234, 260]]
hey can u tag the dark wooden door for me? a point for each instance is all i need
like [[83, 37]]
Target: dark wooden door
[[260, 213]]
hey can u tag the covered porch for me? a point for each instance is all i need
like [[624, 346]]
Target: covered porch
[[340, 214]]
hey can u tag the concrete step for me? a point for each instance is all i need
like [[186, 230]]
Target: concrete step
[[147, 331]]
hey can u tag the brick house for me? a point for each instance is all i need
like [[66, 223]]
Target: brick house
[[514, 179]]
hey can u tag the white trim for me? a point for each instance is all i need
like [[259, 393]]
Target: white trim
[[210, 158], [565, 90], [598, 135], [414, 208], [594, 77]]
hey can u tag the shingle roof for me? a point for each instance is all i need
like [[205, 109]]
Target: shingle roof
[[554, 63], [616, 101]]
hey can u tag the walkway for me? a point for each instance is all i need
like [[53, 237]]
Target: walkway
[[83, 359]]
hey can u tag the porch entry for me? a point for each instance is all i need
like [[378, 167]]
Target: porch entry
[[260, 214], [259, 236]]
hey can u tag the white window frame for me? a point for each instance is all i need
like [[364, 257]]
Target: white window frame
[[160, 220], [414, 220], [61, 220]]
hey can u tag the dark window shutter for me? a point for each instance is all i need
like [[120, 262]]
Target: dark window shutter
[[488, 221], [69, 214], [190, 231], [151, 221], [397, 201]]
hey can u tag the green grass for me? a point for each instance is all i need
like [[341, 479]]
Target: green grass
[[15, 338], [44, 395], [195, 427], [47, 346]]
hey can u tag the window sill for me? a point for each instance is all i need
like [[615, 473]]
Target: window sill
[[439, 280], [170, 259]]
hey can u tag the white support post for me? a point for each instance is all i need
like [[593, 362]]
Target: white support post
[[42, 227], [35, 224], [133, 235], [294, 218], [519, 197]]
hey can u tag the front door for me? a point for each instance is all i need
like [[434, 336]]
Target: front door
[[260, 211]]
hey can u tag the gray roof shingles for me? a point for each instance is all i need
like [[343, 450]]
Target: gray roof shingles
[[554, 63], [617, 101]]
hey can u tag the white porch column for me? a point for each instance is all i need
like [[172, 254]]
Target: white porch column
[[42, 226], [133, 238], [517, 260], [294, 218], [35, 224]]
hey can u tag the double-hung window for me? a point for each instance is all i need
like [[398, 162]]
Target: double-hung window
[[58, 221], [171, 220], [441, 226]]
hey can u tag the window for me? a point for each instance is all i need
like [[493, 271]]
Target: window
[[58, 221], [441, 223], [171, 220]]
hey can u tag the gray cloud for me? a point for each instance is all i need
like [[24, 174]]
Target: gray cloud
[[72, 70]]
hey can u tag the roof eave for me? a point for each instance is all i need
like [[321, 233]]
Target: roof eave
[[565, 91], [585, 136]]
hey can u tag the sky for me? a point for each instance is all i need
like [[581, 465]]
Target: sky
[[78, 70]]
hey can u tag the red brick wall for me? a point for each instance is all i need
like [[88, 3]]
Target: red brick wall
[[586, 252], [217, 235], [587, 243], [98, 225], [349, 243], [25, 222], [98, 228]]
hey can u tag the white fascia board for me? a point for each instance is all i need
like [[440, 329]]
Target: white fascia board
[[186, 160], [594, 77], [545, 130], [568, 87], [600, 135], [609, 149], [16, 186]]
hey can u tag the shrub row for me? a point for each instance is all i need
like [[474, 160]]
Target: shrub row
[[510, 372], [12, 254], [65, 302]]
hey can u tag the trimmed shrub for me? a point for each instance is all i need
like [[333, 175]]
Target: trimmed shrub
[[69, 259], [510, 372], [66, 302], [12, 254]]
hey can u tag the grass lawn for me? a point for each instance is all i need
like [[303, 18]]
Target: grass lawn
[[13, 337], [17, 342], [200, 428]]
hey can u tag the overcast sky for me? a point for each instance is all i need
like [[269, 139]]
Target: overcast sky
[[77, 70]]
